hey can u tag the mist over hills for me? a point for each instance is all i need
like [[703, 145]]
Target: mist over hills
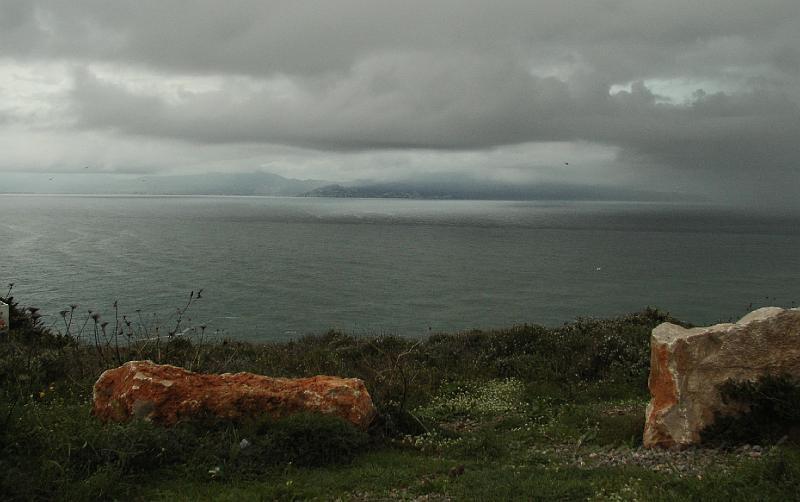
[[255, 183], [473, 190], [258, 183], [268, 184]]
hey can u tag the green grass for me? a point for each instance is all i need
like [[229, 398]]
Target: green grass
[[516, 414], [406, 475]]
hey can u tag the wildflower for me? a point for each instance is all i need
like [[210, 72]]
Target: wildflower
[[214, 471], [244, 443], [96, 317]]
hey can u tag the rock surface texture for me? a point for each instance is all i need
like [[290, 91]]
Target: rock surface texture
[[687, 366], [167, 394]]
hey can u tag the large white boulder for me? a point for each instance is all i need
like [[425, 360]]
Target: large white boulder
[[687, 367]]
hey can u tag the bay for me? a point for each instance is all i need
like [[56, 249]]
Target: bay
[[276, 268]]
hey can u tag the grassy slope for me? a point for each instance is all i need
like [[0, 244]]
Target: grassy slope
[[524, 413]]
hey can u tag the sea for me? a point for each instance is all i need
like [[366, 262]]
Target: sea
[[278, 268]]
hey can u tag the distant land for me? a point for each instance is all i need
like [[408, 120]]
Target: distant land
[[254, 183], [268, 184], [258, 183], [475, 190]]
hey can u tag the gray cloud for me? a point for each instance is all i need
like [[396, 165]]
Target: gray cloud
[[625, 38], [469, 107], [396, 101], [683, 92]]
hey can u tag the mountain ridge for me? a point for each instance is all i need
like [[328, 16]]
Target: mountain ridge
[[259, 183]]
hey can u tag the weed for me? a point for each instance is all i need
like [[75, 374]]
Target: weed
[[764, 411]]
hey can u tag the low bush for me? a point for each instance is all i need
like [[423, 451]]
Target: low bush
[[50, 448], [771, 410], [488, 399], [310, 440]]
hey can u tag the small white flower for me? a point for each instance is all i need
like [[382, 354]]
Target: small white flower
[[244, 443]]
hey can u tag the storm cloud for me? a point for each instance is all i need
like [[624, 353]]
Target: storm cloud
[[695, 97]]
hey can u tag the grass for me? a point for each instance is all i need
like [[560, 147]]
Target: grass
[[405, 475], [522, 413]]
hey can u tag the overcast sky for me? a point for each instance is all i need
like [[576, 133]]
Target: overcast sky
[[693, 96]]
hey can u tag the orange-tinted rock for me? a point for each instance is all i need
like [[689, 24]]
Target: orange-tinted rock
[[167, 394], [687, 367]]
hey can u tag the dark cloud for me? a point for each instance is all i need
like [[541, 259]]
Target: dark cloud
[[454, 106], [398, 101], [624, 38]]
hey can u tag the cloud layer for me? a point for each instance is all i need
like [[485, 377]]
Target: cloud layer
[[698, 97]]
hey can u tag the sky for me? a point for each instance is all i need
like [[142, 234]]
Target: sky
[[685, 96]]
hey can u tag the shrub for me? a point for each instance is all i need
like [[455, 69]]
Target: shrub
[[309, 439], [49, 444], [772, 410], [488, 399]]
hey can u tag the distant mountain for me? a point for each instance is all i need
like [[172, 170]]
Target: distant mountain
[[255, 183], [444, 186], [375, 191], [227, 184], [490, 191]]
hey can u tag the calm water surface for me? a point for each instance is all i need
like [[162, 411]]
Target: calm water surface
[[275, 268]]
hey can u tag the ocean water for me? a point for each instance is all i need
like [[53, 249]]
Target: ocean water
[[278, 268]]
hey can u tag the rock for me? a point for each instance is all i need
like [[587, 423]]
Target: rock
[[5, 318], [687, 366], [167, 394]]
